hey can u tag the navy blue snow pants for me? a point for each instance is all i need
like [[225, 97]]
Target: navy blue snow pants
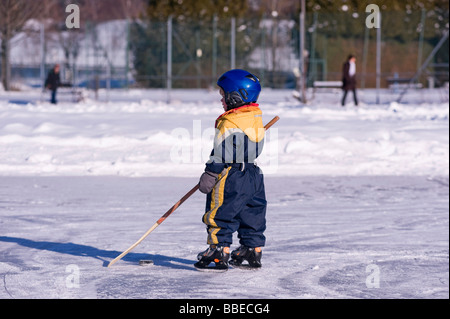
[[237, 203]]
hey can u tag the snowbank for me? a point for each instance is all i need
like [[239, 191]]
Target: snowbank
[[139, 134]]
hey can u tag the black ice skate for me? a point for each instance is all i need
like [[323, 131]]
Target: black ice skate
[[243, 253], [214, 254]]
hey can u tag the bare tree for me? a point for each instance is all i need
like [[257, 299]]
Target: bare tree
[[13, 16]]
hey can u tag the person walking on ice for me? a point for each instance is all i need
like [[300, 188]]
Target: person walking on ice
[[234, 185], [53, 82], [349, 79]]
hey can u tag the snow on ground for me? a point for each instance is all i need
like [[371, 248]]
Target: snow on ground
[[144, 137], [358, 197]]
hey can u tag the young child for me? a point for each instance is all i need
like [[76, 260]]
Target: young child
[[234, 185]]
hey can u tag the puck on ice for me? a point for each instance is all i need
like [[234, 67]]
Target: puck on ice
[[145, 262]]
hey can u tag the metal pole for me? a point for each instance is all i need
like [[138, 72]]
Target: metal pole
[[364, 63], [263, 56], [233, 43], [198, 56], [214, 50], [378, 59], [169, 58], [301, 53], [422, 31], [42, 39], [108, 77], [8, 65], [108, 67], [127, 58], [312, 57], [325, 55]]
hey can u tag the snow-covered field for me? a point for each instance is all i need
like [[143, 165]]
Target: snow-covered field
[[142, 135], [358, 197]]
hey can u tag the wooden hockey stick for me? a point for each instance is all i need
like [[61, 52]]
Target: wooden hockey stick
[[171, 210], [274, 120]]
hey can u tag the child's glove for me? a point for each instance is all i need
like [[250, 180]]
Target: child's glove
[[207, 182]]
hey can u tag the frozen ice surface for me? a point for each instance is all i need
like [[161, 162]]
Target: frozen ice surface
[[324, 236]]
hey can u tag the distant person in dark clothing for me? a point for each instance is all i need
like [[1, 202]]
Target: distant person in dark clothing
[[349, 78], [53, 81]]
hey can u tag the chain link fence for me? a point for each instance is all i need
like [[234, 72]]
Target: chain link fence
[[181, 53]]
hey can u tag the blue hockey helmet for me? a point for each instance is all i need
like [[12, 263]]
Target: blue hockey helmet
[[240, 87]]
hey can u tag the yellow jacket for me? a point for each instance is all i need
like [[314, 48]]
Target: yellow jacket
[[239, 137], [247, 119]]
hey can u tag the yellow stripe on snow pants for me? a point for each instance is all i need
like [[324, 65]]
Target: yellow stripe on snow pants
[[217, 195]]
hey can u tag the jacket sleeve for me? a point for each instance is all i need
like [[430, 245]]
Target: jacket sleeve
[[213, 165], [345, 69]]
